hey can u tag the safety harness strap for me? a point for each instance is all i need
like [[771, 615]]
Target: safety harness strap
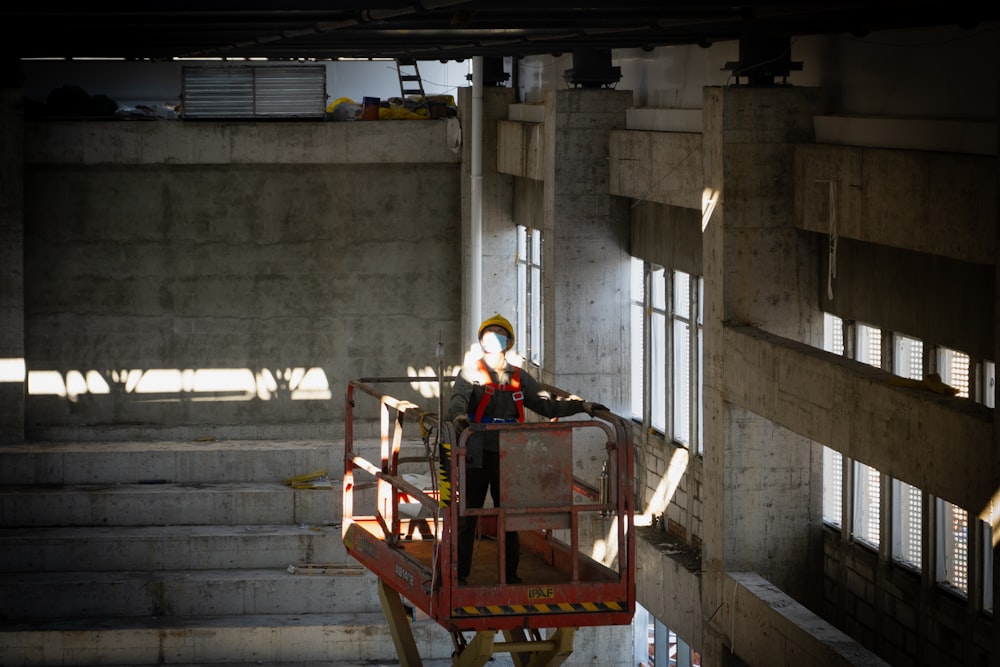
[[514, 388]]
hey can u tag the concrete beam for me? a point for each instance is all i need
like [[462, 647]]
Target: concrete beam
[[942, 444], [667, 586], [668, 236], [937, 203], [231, 143], [521, 149], [764, 626], [663, 167], [937, 299]]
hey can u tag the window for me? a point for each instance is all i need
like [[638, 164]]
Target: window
[[648, 325], [637, 330], [656, 644], [528, 336], [667, 334], [952, 547], [833, 484], [686, 341], [908, 357], [657, 318], [867, 504], [907, 524], [868, 345], [953, 367], [833, 334]]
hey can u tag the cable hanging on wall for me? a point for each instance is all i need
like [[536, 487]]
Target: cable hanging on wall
[[831, 272]]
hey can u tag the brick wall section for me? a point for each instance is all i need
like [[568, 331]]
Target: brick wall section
[[894, 619]]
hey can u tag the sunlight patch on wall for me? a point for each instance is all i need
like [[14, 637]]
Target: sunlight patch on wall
[[431, 388], [709, 200], [12, 370], [991, 515], [605, 551], [303, 384], [666, 488], [188, 384], [74, 384]]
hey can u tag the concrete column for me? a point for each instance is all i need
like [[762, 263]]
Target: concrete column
[[12, 387], [586, 233], [763, 484]]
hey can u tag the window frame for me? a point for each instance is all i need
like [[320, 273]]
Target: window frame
[[528, 338], [660, 319], [951, 572]]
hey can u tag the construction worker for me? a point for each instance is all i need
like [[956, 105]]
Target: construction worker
[[490, 390]]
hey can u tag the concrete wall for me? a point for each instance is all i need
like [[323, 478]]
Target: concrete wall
[[12, 375], [230, 278]]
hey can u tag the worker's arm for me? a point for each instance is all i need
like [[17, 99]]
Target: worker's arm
[[458, 406], [544, 403]]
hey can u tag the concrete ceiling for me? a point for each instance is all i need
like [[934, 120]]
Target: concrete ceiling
[[438, 29]]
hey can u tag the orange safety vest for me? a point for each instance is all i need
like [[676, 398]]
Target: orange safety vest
[[490, 388]]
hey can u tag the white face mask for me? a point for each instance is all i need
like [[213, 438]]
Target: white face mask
[[493, 343]]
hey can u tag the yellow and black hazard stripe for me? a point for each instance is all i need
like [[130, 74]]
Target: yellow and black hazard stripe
[[444, 474], [526, 609]]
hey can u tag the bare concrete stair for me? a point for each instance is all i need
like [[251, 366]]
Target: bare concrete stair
[[184, 553]]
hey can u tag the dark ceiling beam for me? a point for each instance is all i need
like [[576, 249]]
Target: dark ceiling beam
[[441, 29]]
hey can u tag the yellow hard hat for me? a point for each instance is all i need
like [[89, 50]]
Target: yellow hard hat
[[499, 320]]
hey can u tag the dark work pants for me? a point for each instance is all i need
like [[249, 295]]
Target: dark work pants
[[477, 482]]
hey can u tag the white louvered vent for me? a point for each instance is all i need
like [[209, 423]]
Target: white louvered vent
[[254, 92]]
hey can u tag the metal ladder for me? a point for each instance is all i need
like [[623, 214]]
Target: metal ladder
[[410, 82]]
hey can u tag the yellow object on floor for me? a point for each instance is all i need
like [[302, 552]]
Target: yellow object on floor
[[310, 480]]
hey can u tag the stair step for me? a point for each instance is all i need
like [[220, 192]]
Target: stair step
[[53, 595], [102, 548], [215, 461], [179, 553], [193, 503], [353, 638]]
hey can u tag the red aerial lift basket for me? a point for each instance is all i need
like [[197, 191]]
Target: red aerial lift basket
[[566, 487]]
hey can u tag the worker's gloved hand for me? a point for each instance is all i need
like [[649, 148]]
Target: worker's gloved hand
[[590, 408], [461, 423]]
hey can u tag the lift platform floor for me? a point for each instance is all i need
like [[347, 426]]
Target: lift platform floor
[[532, 568]]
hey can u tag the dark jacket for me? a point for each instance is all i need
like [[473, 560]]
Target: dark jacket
[[470, 386]]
